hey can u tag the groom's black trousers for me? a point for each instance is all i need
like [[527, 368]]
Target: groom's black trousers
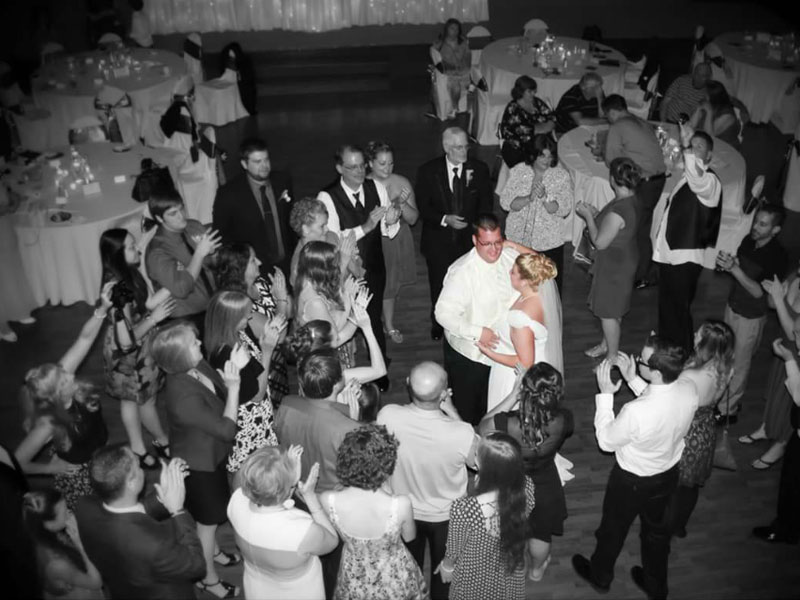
[[469, 381]]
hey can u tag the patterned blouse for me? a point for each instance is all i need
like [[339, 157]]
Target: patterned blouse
[[533, 226], [516, 126], [456, 60]]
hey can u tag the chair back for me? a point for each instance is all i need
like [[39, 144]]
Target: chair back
[[109, 40], [535, 31], [193, 56], [114, 108], [479, 37], [50, 51], [535, 24], [88, 129], [633, 69]]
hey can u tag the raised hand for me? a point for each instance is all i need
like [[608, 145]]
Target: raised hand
[[163, 310], [375, 216], [627, 365], [239, 356], [272, 333], [363, 297], [780, 350], [105, 294], [604, 383], [277, 286], [347, 247], [361, 316], [208, 243], [350, 396], [306, 489], [774, 288], [171, 490], [231, 375]]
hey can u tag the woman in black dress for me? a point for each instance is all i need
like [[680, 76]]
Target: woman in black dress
[[541, 426]]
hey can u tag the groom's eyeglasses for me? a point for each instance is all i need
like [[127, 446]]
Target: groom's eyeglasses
[[492, 244], [641, 362]]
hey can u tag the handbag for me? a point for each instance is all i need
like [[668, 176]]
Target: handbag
[[152, 179], [585, 252], [723, 454]]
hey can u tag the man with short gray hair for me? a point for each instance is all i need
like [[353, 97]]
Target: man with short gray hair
[[581, 104]]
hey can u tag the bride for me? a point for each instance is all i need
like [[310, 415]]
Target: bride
[[531, 331]]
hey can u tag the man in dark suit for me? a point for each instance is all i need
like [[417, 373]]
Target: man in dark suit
[[137, 555], [362, 205], [254, 208], [451, 190]]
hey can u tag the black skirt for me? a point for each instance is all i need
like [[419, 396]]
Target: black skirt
[[207, 495]]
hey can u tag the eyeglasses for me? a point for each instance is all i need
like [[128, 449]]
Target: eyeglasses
[[641, 362], [492, 244], [360, 167]]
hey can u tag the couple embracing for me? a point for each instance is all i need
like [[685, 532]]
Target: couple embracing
[[499, 306]]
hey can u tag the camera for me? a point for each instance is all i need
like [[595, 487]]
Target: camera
[[683, 118], [121, 294]]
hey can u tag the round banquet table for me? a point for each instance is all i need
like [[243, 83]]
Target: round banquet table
[[62, 260], [69, 94], [590, 183], [759, 81], [501, 65]]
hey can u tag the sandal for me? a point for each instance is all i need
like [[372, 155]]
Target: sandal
[[749, 439], [596, 351], [161, 449], [147, 461], [542, 569], [229, 560], [760, 464], [231, 591], [396, 336]]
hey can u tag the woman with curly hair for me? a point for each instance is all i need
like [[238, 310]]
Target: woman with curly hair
[[523, 334], [64, 412], [372, 523], [541, 426], [485, 555], [64, 568], [612, 231], [237, 267]]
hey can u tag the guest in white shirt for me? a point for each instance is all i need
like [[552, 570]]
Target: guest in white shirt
[[140, 26], [647, 439], [475, 297], [362, 205], [436, 448]]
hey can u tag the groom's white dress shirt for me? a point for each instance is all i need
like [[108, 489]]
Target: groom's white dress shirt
[[475, 294]]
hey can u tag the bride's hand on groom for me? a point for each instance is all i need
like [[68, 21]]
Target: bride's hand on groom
[[488, 339]]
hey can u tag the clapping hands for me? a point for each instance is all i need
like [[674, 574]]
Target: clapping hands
[[350, 396], [272, 333], [604, 383], [171, 490]]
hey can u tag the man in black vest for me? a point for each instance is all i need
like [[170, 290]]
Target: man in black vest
[[450, 191], [689, 225], [362, 205], [254, 208]]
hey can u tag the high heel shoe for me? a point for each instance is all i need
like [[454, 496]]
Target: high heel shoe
[[9, 337], [231, 591]]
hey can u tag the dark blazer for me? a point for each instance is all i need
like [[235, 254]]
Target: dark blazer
[[138, 556], [238, 218], [198, 433], [434, 200]]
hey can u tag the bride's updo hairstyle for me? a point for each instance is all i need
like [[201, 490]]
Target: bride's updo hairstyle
[[535, 268]]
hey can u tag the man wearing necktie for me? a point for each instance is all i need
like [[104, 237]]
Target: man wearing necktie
[[450, 191], [361, 205], [254, 208]]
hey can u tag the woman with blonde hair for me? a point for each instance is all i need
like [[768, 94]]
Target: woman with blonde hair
[[523, 333]]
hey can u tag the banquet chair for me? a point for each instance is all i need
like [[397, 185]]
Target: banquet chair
[[108, 41], [479, 37], [243, 64], [193, 57], [535, 31], [490, 111], [218, 101], [33, 129], [115, 110], [11, 95], [50, 50], [641, 102], [442, 103], [633, 71], [88, 129]]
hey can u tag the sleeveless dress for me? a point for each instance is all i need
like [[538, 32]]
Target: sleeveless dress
[[278, 378], [346, 351], [697, 459], [377, 567], [501, 377], [280, 530]]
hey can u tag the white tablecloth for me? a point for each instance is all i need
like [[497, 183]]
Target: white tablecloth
[[71, 96], [501, 65], [761, 82], [62, 260], [590, 180]]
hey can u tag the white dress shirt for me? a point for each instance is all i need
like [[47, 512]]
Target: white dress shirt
[[136, 508], [647, 434], [708, 189], [333, 217], [449, 174], [475, 294]]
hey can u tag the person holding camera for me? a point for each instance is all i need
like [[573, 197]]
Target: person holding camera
[[436, 448], [131, 376]]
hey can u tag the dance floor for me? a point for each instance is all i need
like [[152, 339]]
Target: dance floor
[[718, 559]]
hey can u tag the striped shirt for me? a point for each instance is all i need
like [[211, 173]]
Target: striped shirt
[[681, 97]]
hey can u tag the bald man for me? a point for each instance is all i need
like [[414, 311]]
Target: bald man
[[436, 448]]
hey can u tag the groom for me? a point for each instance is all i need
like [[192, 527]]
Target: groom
[[476, 294]]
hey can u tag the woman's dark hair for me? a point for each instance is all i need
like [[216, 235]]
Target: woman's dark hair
[[718, 96], [319, 265], [366, 457], [116, 268], [443, 34], [370, 402], [625, 173], [37, 509], [230, 264], [502, 470], [522, 85], [226, 309], [540, 396], [377, 147], [311, 337], [715, 347], [667, 358], [538, 145]]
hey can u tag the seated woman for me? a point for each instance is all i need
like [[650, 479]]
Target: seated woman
[[453, 47], [525, 117], [281, 544], [202, 406], [538, 195], [131, 376], [372, 523], [485, 556], [309, 220], [236, 267], [176, 256], [228, 333], [65, 412], [716, 115], [64, 569], [541, 426]]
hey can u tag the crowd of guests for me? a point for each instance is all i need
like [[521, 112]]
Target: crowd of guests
[[331, 493]]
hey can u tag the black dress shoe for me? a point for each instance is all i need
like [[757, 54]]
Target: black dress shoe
[[436, 333], [637, 574], [383, 384], [768, 534], [583, 568]]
